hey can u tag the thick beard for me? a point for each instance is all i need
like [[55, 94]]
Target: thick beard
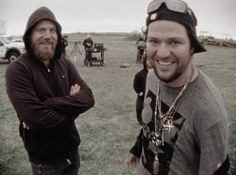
[[41, 54]]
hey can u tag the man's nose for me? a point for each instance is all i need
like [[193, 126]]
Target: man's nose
[[162, 51], [48, 34]]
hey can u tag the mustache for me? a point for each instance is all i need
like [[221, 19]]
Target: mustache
[[154, 57], [47, 42]]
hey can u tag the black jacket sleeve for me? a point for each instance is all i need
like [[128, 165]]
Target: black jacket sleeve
[[29, 108], [136, 83], [137, 148], [224, 168], [77, 103]]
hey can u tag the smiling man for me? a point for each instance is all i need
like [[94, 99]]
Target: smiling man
[[48, 94], [185, 130]]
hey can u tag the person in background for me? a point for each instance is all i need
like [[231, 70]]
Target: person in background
[[139, 87], [64, 44], [88, 46], [141, 45], [185, 123], [47, 94]]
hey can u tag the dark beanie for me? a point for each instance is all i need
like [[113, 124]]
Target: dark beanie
[[163, 13]]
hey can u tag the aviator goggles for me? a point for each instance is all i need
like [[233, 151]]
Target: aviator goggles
[[173, 5]]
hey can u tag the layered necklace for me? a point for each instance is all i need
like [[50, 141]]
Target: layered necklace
[[165, 122]]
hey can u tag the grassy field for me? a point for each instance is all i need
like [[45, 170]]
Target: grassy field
[[110, 128]]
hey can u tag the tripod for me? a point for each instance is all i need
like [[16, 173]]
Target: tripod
[[74, 50]]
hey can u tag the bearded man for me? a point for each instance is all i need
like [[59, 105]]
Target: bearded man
[[47, 94]]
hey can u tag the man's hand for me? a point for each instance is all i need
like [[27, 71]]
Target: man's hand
[[74, 89], [132, 160]]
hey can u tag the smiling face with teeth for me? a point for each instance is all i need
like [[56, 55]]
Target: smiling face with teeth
[[169, 51]]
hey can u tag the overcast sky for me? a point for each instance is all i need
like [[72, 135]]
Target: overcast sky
[[218, 17]]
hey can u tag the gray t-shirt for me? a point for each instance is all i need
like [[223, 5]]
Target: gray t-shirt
[[198, 142]]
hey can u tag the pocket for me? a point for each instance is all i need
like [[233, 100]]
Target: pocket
[[44, 142]]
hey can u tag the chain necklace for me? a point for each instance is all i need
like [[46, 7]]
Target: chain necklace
[[165, 120]]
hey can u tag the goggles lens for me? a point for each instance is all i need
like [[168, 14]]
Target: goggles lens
[[173, 5]]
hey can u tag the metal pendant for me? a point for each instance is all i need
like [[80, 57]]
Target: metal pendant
[[156, 165], [155, 139]]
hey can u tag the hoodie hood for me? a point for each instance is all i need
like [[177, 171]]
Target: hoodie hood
[[42, 13]]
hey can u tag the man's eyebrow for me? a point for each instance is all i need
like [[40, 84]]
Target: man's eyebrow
[[170, 38], [176, 38]]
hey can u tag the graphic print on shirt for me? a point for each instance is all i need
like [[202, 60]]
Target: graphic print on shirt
[[165, 151]]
